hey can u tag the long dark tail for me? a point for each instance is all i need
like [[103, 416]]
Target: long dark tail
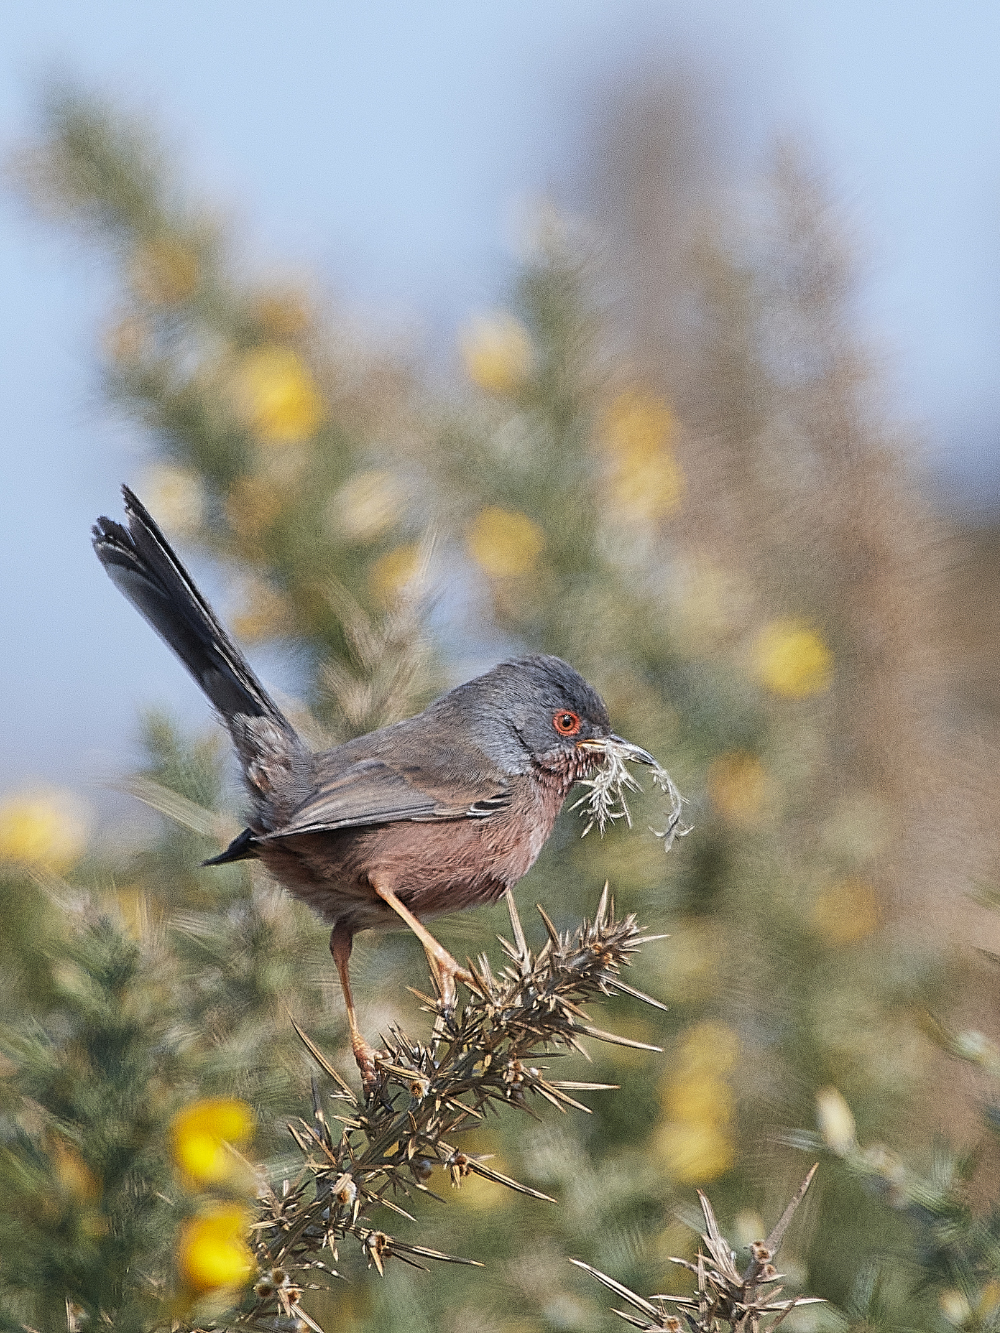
[[143, 566]]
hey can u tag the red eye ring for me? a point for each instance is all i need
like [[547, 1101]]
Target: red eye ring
[[566, 723]]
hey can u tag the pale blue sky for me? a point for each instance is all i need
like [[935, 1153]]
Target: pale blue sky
[[389, 146]]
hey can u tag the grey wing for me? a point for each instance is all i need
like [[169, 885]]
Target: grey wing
[[373, 792]]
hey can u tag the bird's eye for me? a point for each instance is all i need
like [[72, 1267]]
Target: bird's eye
[[567, 724]]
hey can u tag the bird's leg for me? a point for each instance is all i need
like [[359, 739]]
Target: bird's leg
[[444, 967], [341, 939]]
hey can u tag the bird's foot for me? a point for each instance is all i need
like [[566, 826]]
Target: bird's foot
[[446, 973], [367, 1059]]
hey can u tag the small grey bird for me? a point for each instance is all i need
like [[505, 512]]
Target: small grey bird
[[441, 811]]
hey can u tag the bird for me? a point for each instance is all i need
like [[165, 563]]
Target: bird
[[438, 812]]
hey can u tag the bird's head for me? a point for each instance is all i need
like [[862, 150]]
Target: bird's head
[[541, 709]]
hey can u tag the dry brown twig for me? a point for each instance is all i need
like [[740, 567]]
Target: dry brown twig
[[724, 1297], [388, 1144]]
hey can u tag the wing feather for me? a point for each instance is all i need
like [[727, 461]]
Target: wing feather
[[371, 791]]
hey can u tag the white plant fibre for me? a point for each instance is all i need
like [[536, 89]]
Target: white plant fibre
[[604, 801]]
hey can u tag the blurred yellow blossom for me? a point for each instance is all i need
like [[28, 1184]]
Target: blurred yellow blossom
[[694, 1142], [263, 614], [845, 912], [496, 352], [792, 660], [279, 396], [391, 573], [164, 271], [504, 542], [989, 1299], [835, 1121], [695, 1151], [44, 829], [174, 494], [638, 424], [75, 1178], [694, 1099], [737, 785], [648, 490], [213, 1252], [199, 1134], [365, 506], [638, 435]]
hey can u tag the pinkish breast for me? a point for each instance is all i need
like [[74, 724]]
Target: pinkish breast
[[432, 867]]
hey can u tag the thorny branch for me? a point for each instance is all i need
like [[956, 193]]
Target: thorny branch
[[724, 1296], [390, 1143]]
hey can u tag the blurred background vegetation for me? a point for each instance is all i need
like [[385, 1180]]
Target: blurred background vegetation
[[665, 456]]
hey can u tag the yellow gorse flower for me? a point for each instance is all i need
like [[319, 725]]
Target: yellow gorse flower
[[989, 1299], [695, 1142], [845, 912], [496, 352], [46, 830], [638, 436], [212, 1251], [200, 1133], [737, 785], [279, 397], [791, 659], [390, 574], [74, 1176], [504, 542], [695, 1150]]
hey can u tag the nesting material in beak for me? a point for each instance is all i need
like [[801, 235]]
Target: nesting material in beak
[[604, 801]]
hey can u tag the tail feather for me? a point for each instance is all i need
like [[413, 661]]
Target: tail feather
[[143, 566]]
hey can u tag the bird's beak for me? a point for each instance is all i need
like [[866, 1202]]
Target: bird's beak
[[625, 749]]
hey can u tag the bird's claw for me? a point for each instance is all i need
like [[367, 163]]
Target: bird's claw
[[445, 975], [367, 1059]]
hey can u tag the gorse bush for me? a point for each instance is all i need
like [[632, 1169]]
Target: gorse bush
[[692, 494]]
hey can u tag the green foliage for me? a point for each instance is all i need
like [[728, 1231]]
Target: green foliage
[[721, 541], [83, 1164]]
